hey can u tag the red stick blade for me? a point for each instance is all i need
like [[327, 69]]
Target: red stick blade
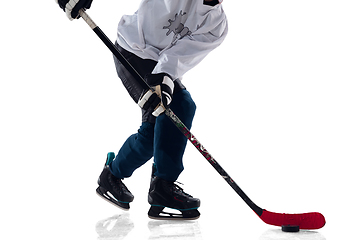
[[312, 220]]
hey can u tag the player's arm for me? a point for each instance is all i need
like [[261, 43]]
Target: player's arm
[[190, 50]]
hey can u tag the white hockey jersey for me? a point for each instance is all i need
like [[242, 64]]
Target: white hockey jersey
[[178, 34]]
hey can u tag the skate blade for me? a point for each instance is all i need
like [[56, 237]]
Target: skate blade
[[109, 198], [157, 213]]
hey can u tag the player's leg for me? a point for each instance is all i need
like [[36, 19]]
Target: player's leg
[[137, 149], [169, 147], [169, 142]]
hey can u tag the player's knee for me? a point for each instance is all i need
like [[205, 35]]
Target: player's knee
[[189, 104]]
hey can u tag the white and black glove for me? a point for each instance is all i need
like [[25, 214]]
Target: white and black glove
[[72, 7], [159, 97]]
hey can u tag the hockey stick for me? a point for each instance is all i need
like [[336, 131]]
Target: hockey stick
[[313, 220]]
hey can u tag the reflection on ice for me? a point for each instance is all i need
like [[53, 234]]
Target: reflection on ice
[[174, 230], [116, 227], [119, 227], [277, 234]]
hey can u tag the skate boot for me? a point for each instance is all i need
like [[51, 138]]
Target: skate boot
[[112, 189], [163, 194]]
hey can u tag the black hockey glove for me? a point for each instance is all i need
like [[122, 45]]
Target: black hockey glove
[[72, 7], [160, 96]]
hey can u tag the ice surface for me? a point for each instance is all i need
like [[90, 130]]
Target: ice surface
[[278, 234]]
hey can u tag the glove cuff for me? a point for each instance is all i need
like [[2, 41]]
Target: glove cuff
[[168, 82], [156, 79]]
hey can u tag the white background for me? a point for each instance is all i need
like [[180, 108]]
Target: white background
[[278, 107]]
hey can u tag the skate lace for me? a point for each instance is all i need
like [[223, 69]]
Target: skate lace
[[118, 184], [180, 190]]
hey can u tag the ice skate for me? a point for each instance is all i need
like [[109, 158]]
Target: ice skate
[[112, 189], [165, 194]]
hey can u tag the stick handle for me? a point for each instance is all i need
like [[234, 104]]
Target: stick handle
[[87, 19]]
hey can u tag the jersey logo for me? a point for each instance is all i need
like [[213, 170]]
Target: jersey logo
[[177, 27]]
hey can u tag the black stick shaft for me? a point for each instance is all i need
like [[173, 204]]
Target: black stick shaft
[[180, 125]]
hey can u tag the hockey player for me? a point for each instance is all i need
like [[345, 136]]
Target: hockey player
[[162, 41]]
